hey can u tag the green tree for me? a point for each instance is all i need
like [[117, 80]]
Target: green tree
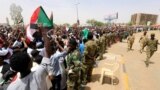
[[129, 23], [91, 22], [94, 22], [15, 12], [98, 23]]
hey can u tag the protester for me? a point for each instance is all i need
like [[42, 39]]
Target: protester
[[55, 60], [28, 80]]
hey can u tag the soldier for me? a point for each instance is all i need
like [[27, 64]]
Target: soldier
[[114, 37], [130, 41], [73, 66], [109, 39], [101, 47], [106, 39], [152, 45], [143, 41], [97, 40], [90, 53], [104, 42], [121, 33]]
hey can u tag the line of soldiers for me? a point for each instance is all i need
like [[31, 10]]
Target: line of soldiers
[[95, 47]]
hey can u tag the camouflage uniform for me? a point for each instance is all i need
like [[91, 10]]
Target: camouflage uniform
[[104, 43], [113, 37], [74, 70], [130, 41], [143, 41], [151, 48], [101, 47], [90, 54], [97, 40], [121, 36], [108, 39]]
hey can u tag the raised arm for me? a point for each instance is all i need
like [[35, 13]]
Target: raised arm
[[47, 43]]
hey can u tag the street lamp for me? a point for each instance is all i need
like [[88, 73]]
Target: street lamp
[[77, 13]]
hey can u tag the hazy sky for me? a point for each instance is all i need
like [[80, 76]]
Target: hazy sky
[[65, 10]]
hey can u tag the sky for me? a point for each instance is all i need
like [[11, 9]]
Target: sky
[[64, 11]]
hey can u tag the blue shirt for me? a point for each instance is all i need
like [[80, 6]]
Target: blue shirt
[[55, 62], [81, 48]]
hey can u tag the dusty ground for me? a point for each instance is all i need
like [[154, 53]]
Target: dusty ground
[[132, 73]]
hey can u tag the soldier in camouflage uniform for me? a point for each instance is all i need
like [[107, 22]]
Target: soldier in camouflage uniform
[[130, 41], [104, 42], [90, 54], [121, 33], [113, 37], [97, 40], [73, 66], [106, 39], [143, 41], [109, 39], [152, 45], [101, 46]]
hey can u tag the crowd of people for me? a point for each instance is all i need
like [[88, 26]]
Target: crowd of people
[[57, 59]]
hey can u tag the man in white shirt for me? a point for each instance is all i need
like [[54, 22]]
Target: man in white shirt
[[21, 62]]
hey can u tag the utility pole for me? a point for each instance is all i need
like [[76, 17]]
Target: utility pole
[[77, 13]]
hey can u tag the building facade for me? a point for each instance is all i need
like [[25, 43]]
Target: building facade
[[144, 19]]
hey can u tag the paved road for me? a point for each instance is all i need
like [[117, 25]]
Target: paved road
[[140, 77]]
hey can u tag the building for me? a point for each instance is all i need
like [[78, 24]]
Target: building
[[144, 19]]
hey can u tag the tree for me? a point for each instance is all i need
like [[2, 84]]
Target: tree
[[15, 12], [98, 23], [67, 24], [129, 23], [93, 22]]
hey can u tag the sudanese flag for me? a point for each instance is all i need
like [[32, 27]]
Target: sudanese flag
[[40, 17]]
